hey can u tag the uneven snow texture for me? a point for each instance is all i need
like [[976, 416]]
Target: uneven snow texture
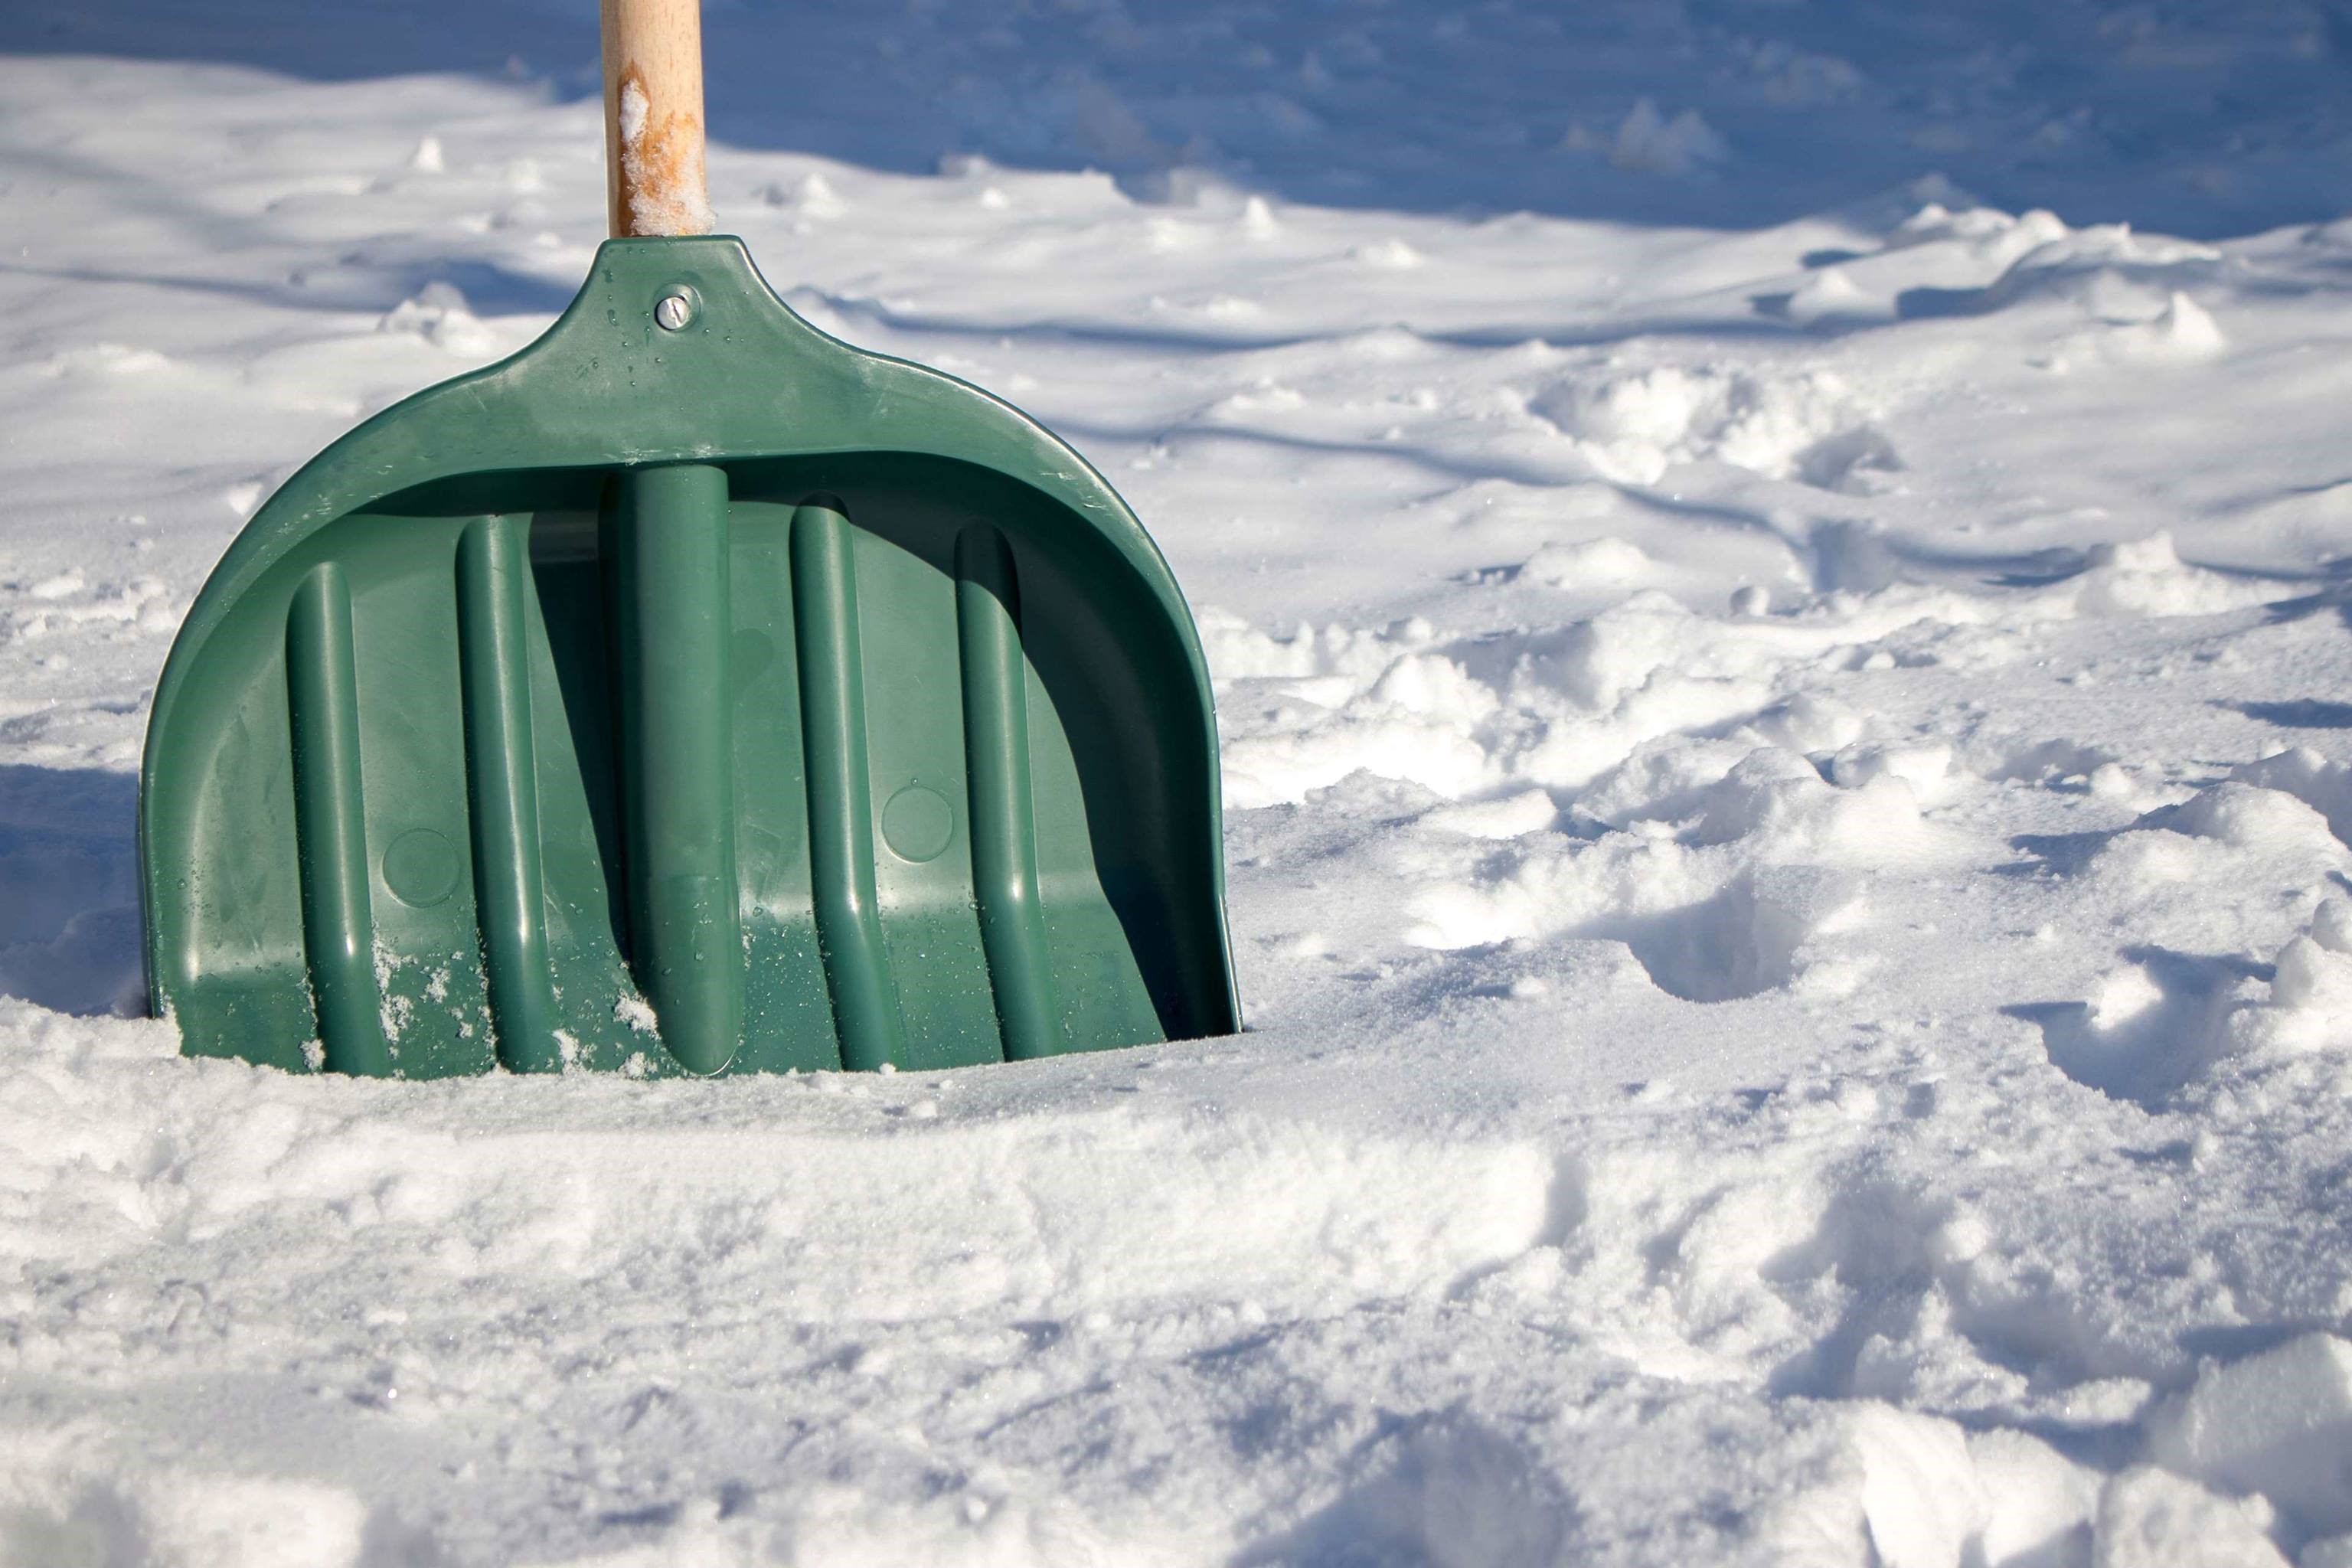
[[1776, 575]]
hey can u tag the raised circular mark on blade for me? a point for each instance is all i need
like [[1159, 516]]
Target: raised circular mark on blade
[[421, 868], [918, 823]]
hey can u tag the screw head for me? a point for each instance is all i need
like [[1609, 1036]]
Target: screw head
[[673, 312]]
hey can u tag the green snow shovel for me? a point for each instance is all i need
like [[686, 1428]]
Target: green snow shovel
[[688, 693]]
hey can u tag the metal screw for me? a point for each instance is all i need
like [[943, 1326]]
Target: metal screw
[[674, 312]]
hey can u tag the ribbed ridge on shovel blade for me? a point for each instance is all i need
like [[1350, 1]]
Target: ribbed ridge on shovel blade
[[670, 586], [330, 823], [840, 794], [1004, 808], [502, 791]]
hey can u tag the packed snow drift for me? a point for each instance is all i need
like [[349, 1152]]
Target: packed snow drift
[[1779, 583]]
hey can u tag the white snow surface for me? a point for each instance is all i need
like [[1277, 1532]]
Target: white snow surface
[[1777, 579]]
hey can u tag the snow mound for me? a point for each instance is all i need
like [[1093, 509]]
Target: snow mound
[[1649, 142], [1633, 428], [2278, 1424]]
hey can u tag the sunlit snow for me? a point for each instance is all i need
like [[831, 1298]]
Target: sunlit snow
[[1777, 578]]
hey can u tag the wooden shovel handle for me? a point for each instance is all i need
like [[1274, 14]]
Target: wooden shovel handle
[[653, 117]]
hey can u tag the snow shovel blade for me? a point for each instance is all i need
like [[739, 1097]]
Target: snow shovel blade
[[689, 692]]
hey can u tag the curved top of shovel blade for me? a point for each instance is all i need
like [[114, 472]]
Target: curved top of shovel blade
[[391, 760], [745, 377]]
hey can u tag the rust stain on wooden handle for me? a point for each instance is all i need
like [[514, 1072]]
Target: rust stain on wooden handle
[[653, 117]]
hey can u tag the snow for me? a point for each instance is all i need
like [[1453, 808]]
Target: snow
[[2279, 1423], [664, 177], [1775, 574]]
